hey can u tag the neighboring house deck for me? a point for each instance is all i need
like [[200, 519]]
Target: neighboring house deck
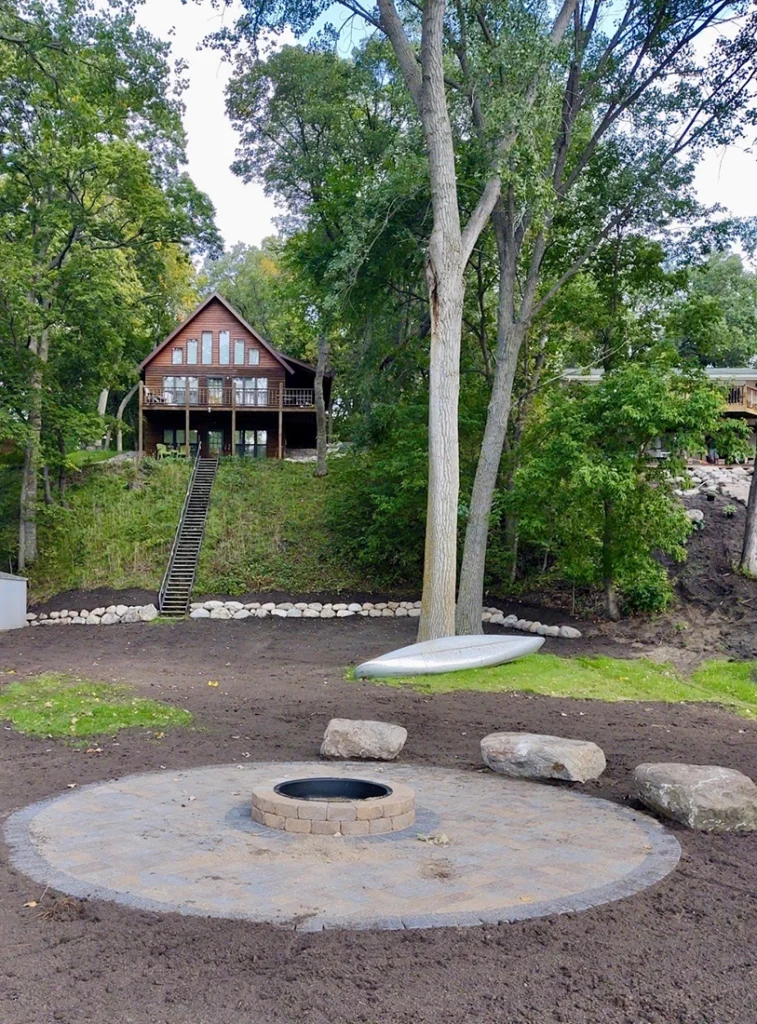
[[215, 385], [741, 381]]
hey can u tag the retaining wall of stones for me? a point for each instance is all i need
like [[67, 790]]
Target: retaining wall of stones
[[286, 610]]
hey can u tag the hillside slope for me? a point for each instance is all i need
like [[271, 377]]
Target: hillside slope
[[265, 531]]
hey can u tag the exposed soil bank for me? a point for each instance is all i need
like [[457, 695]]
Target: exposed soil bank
[[683, 951]]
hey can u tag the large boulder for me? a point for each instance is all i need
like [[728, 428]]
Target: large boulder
[[704, 797], [377, 741], [526, 755]]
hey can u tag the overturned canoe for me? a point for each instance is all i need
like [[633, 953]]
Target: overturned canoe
[[449, 654]]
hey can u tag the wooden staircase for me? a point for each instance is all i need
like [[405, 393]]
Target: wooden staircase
[[176, 588]]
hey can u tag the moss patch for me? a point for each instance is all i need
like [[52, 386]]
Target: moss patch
[[731, 684], [60, 706]]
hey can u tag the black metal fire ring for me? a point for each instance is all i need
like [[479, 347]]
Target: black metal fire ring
[[332, 789]]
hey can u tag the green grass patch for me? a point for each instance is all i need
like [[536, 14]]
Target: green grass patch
[[266, 530], [731, 684], [81, 458], [115, 529], [63, 707]]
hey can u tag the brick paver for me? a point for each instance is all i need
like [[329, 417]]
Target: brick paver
[[186, 841]]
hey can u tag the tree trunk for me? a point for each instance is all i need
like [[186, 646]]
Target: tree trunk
[[120, 415], [46, 482], [611, 596], [27, 527], [321, 467], [749, 548]]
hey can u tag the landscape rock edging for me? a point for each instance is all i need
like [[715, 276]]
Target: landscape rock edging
[[227, 610]]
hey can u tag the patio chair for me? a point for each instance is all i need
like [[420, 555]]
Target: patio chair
[[161, 451]]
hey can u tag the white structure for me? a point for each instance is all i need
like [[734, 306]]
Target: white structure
[[12, 601]]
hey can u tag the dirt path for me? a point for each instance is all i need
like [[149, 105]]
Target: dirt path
[[683, 951]]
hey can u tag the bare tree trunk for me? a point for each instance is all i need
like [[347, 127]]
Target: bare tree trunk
[[46, 482], [27, 528], [749, 548], [321, 466], [120, 415], [611, 595], [102, 401]]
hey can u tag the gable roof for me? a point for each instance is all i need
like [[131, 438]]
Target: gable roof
[[237, 316]]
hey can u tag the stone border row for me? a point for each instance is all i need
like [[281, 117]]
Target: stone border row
[[112, 614]]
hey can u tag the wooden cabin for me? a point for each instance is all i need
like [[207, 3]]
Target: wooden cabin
[[217, 385]]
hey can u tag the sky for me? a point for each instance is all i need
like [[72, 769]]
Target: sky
[[245, 213]]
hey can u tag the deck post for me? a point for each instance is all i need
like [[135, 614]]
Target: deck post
[[233, 418], [186, 418], [140, 429], [281, 419]]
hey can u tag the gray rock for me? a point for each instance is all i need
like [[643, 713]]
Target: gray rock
[[294, 613], [120, 609], [704, 797], [30, 616], [377, 741], [98, 611], [148, 612], [311, 613], [54, 615], [110, 610], [93, 620], [262, 613], [109, 619], [268, 606], [220, 613], [552, 631], [280, 613], [696, 515], [399, 612], [374, 613], [525, 755], [570, 633], [234, 606], [327, 613], [315, 606], [510, 620], [284, 606], [200, 613], [414, 613], [212, 605], [242, 614], [345, 613], [130, 615], [78, 620], [354, 607]]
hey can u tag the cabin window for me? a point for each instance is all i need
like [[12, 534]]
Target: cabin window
[[239, 352], [251, 443], [192, 350], [215, 390], [177, 356], [224, 355], [253, 357], [251, 390], [175, 437], [169, 390], [207, 347]]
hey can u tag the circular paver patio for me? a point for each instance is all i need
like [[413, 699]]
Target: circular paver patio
[[185, 841]]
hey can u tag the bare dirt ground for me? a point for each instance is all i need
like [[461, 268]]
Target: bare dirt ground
[[682, 952]]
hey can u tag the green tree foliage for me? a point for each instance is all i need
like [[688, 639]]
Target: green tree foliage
[[588, 495], [93, 203], [713, 321]]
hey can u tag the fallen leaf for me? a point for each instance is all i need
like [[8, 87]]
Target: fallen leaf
[[212, 682], [71, 785], [31, 903]]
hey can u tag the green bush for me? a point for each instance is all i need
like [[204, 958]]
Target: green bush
[[648, 590]]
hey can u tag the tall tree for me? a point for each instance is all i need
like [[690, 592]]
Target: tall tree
[[91, 145], [418, 34], [614, 148]]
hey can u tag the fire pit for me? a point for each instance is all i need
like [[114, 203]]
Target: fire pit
[[333, 807]]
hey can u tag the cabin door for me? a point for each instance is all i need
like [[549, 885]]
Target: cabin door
[[211, 443]]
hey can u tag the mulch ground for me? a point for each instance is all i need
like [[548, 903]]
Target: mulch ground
[[682, 952]]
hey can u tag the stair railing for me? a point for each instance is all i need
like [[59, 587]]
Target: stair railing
[[172, 556]]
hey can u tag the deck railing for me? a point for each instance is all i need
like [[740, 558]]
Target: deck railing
[[231, 397], [743, 396]]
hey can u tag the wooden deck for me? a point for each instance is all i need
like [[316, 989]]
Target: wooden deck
[[742, 399], [229, 397]]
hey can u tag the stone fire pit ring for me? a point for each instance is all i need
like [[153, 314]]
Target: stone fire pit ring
[[334, 806]]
